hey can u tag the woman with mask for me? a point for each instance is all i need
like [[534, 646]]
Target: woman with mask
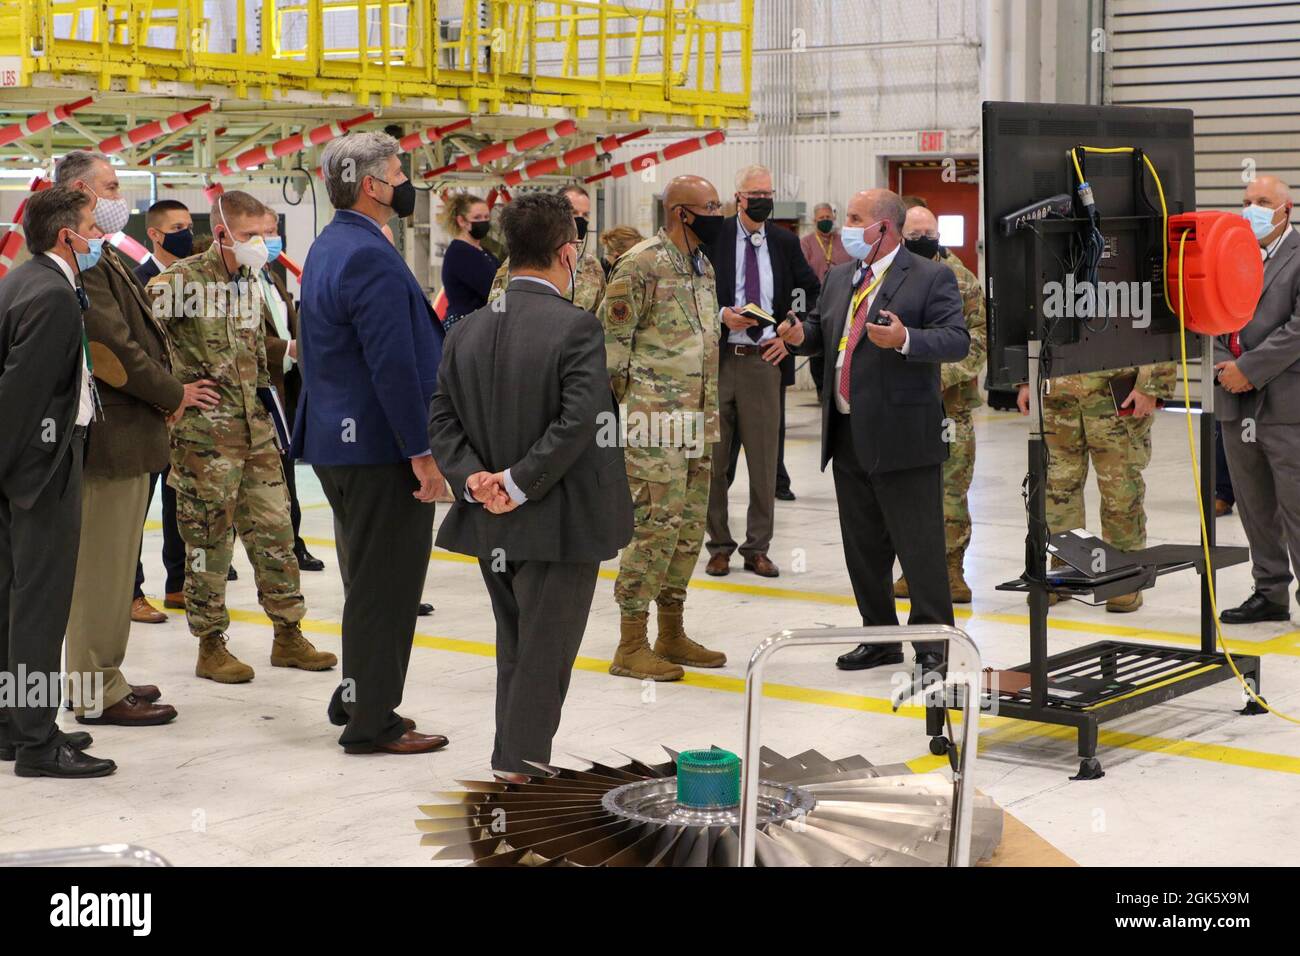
[[617, 241], [467, 268]]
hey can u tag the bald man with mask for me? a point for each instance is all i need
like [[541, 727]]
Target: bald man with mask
[[1257, 400]]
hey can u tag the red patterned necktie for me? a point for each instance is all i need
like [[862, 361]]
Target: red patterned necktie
[[1234, 344], [855, 335]]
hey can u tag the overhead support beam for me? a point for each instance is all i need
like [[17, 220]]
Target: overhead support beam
[[152, 130], [290, 144], [41, 121], [671, 152], [581, 154], [511, 147]]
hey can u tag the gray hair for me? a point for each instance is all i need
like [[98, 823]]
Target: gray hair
[[748, 173], [889, 205], [823, 205], [349, 159], [78, 165]]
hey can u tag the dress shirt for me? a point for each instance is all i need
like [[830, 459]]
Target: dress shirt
[[764, 281], [86, 406], [1267, 253], [878, 270], [279, 313]]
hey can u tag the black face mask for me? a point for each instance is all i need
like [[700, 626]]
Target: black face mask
[[581, 223], [479, 230], [179, 244], [403, 201], [927, 247], [706, 228], [825, 226], [759, 208]]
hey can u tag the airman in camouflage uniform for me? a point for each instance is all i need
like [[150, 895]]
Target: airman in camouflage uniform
[[1080, 421], [588, 283], [661, 340], [961, 394], [225, 463]]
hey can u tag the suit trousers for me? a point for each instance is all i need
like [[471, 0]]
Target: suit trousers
[[173, 549], [38, 563], [541, 610], [749, 406], [886, 515], [99, 624], [385, 543], [782, 475], [1266, 481]]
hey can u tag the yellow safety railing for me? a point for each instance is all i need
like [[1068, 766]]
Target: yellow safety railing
[[633, 57]]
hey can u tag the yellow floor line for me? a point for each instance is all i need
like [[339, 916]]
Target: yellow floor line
[[996, 730]]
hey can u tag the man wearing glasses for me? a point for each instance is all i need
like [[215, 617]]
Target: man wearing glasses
[[661, 342]]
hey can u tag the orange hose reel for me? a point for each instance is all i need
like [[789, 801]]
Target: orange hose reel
[[1224, 270]]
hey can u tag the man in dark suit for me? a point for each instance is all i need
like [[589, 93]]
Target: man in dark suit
[[281, 327], [369, 349], [128, 443], [170, 229], [884, 324], [763, 266], [46, 402], [523, 396], [1257, 398]]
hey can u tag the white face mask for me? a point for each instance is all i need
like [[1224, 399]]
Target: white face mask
[[111, 215], [252, 253]]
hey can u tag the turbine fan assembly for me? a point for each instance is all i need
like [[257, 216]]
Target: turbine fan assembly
[[812, 811]]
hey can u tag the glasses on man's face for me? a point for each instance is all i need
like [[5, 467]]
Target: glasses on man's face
[[758, 193], [712, 208]]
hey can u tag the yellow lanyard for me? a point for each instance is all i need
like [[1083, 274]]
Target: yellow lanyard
[[858, 299]]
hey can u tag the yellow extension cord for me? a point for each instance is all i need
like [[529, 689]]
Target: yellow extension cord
[[1200, 500]]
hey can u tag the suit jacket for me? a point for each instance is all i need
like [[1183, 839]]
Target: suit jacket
[[40, 376], [790, 271], [1270, 344], [896, 406], [368, 350], [132, 368], [288, 384], [526, 388]]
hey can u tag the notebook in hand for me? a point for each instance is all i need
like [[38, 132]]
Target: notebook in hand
[[759, 315]]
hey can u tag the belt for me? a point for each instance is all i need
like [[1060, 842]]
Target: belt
[[746, 349]]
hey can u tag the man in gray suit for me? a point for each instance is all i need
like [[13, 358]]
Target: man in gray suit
[[523, 427], [1258, 402]]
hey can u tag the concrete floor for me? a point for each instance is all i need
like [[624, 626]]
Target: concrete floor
[[251, 774]]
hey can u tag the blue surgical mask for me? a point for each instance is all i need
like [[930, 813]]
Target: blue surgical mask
[[854, 243], [88, 260], [1260, 219], [274, 246]]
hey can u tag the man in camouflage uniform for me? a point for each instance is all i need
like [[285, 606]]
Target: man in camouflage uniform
[[960, 384], [661, 342], [588, 278], [1080, 422], [225, 462]]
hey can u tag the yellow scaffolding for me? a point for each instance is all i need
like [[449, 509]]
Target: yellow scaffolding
[[634, 61]]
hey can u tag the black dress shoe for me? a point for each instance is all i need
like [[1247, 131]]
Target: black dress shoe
[[77, 739], [424, 610], [306, 560], [929, 664], [232, 574], [65, 761], [866, 656], [784, 494], [1256, 608]]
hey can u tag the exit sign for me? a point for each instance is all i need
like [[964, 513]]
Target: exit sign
[[929, 141]]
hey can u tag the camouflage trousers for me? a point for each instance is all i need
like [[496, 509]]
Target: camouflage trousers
[[221, 490], [1119, 448], [957, 473], [656, 565]]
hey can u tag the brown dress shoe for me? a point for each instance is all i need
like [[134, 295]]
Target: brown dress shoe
[[408, 723], [146, 692], [131, 711], [719, 565], [142, 612], [762, 565], [409, 743], [1221, 508], [174, 600]]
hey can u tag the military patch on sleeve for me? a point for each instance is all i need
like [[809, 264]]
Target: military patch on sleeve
[[618, 287], [619, 311]]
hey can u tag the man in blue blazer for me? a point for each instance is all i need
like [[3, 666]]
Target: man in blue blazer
[[369, 348]]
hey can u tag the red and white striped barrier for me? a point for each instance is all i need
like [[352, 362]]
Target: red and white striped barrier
[[673, 151], [581, 154], [289, 264], [176, 148], [291, 144], [41, 121], [126, 244], [142, 134], [512, 147], [12, 240]]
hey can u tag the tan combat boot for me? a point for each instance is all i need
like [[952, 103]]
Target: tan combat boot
[[900, 588], [1125, 603], [957, 581], [673, 643], [218, 664], [291, 649], [634, 657]]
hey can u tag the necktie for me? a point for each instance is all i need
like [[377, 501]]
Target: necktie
[[753, 286], [1234, 344], [855, 335]]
